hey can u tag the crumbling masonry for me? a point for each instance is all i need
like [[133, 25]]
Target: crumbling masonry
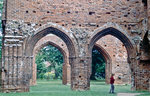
[[80, 24], [111, 48]]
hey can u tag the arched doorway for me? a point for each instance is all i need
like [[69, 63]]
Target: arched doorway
[[118, 55], [108, 61], [101, 32], [60, 46], [31, 41]]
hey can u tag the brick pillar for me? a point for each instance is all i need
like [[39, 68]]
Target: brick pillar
[[13, 65], [34, 70], [80, 73], [64, 73], [133, 65], [66, 79], [81, 63], [143, 75], [68, 74], [108, 72], [140, 70]]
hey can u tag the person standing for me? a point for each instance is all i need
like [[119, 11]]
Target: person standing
[[112, 80]]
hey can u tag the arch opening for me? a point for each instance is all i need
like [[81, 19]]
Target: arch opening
[[50, 30], [125, 43], [31, 42], [101, 61], [114, 32], [57, 43], [49, 62], [105, 67], [98, 65]]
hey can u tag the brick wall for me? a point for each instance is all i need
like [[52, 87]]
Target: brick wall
[[79, 24]]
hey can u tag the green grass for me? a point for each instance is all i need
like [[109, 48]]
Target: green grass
[[55, 88]]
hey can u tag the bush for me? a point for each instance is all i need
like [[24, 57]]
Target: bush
[[49, 75], [40, 76]]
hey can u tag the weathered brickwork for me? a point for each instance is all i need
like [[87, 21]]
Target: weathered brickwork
[[115, 49], [80, 24]]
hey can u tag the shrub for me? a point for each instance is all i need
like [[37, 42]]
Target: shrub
[[49, 75]]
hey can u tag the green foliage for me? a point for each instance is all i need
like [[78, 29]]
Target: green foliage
[[1, 5], [98, 65], [41, 69], [52, 55], [0, 48], [49, 75]]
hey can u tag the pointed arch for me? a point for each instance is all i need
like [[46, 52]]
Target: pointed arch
[[53, 44], [50, 28], [64, 66], [108, 61], [38, 34], [114, 30], [104, 53]]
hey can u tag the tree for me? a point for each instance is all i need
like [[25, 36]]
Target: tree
[[41, 68], [98, 65], [52, 55]]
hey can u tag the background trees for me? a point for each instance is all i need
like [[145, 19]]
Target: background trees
[[98, 65], [54, 57]]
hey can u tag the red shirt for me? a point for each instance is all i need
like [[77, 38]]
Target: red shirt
[[112, 80]]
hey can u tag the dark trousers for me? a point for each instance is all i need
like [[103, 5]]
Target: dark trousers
[[112, 88]]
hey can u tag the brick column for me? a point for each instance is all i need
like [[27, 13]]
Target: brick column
[[13, 65], [34, 70], [81, 64], [80, 73], [66, 72]]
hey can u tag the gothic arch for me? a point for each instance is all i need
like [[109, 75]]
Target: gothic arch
[[66, 74], [49, 28], [114, 30], [108, 60], [55, 45], [103, 52]]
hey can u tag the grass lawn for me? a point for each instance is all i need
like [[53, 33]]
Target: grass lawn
[[55, 88]]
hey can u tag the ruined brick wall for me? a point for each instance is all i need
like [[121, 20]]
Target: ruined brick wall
[[70, 14], [79, 24], [112, 45], [75, 11]]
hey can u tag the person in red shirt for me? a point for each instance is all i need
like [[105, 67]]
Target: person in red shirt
[[112, 80]]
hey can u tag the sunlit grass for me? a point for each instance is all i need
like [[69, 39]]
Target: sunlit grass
[[55, 88]]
